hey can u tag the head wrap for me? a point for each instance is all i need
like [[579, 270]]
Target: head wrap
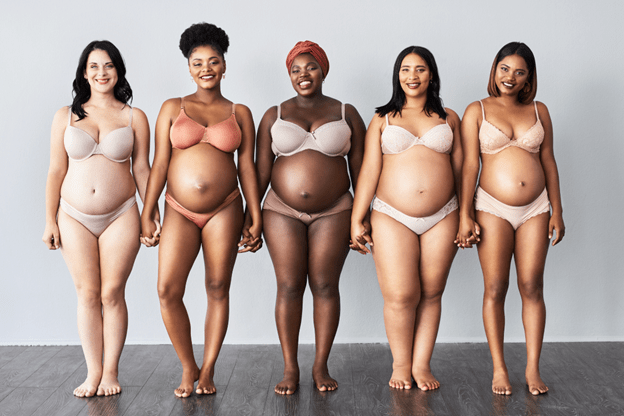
[[313, 49]]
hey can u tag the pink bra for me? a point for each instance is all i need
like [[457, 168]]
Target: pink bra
[[492, 140], [331, 139], [186, 132], [116, 146], [395, 139]]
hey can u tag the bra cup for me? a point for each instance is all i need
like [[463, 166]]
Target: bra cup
[[398, 139], [335, 144], [118, 145], [280, 134], [78, 144]]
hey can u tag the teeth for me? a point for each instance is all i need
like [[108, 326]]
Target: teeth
[[507, 84], [304, 83]]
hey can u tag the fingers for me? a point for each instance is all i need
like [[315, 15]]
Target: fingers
[[249, 243], [158, 229]]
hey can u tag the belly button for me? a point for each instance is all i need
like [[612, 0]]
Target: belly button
[[521, 183], [305, 195], [93, 191]]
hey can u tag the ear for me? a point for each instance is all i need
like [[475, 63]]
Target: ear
[[224, 66]]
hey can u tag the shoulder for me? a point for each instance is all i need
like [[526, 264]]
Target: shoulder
[[242, 112], [377, 121], [270, 115], [452, 117], [541, 107], [473, 110], [350, 110], [61, 116], [138, 117], [171, 106]]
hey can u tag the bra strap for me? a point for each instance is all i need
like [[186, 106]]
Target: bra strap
[[130, 122], [233, 108], [279, 111], [482, 109], [69, 113], [536, 113], [343, 111], [387, 121], [181, 102]]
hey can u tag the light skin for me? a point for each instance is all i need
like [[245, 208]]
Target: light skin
[[99, 266], [412, 269], [312, 254], [200, 177], [515, 177]]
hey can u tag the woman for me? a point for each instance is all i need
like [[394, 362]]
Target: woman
[[97, 226], [513, 136], [196, 137], [308, 207], [412, 163]]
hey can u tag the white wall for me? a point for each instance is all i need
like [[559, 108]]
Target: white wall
[[578, 50]]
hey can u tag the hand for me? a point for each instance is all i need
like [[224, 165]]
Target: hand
[[469, 233], [150, 232], [556, 224], [251, 239], [51, 236], [360, 235]]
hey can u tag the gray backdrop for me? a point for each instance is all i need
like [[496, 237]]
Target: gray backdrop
[[579, 57]]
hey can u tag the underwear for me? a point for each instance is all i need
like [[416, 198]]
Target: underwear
[[96, 224], [516, 216], [274, 203], [492, 140], [419, 225], [396, 139], [200, 219]]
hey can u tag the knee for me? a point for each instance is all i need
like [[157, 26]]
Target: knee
[[89, 296], [532, 290], [290, 290], [496, 292], [324, 289], [169, 294], [112, 297], [401, 300], [432, 295], [217, 289]]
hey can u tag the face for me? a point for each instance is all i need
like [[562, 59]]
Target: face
[[512, 75], [206, 66], [100, 72], [306, 74], [414, 75]]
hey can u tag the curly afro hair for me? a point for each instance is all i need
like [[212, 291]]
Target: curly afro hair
[[201, 34]]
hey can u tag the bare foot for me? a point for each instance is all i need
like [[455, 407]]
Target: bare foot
[[320, 375], [289, 383], [88, 388], [188, 381], [500, 383], [109, 385], [401, 378], [424, 379], [206, 385], [535, 383]]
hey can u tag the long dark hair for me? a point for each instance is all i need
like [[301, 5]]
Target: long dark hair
[[433, 103], [82, 90], [528, 93]]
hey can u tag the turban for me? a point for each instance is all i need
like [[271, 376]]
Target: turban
[[313, 49]]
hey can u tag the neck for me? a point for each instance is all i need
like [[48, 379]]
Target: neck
[[508, 100], [417, 103], [309, 100], [209, 96], [98, 99]]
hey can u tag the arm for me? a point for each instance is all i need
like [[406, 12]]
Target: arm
[[358, 133], [56, 175], [158, 173], [249, 181], [366, 186], [469, 230], [547, 157], [457, 154]]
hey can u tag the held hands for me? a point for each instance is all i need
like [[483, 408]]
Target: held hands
[[251, 239], [360, 235], [150, 230], [52, 239], [556, 224], [469, 233]]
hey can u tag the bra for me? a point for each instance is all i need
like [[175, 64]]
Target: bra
[[492, 140], [116, 146], [186, 132], [331, 139], [395, 139]]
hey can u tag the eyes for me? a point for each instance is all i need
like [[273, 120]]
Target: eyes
[[107, 66], [212, 62], [296, 69], [518, 73]]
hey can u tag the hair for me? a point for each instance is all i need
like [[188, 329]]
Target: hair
[[433, 103], [202, 34], [81, 87], [526, 95]]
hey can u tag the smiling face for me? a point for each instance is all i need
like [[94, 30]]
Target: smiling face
[[414, 75], [306, 74], [206, 66], [100, 72], [512, 75]]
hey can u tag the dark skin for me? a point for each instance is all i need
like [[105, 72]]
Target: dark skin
[[309, 182]]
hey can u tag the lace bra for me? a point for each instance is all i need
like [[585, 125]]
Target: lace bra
[[116, 146], [395, 139], [492, 140], [331, 139]]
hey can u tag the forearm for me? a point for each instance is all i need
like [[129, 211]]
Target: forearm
[[53, 196], [365, 191], [468, 180], [552, 187], [249, 185], [154, 187], [141, 173]]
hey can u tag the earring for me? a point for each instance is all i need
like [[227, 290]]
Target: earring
[[223, 76], [192, 80], [527, 87]]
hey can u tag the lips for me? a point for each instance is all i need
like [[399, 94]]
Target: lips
[[207, 77], [508, 85], [413, 85], [102, 81], [305, 84]]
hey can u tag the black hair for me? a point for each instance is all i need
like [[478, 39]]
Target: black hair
[[527, 94], [433, 103], [81, 87], [201, 34]]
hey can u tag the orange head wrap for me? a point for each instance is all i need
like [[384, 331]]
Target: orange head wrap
[[313, 49]]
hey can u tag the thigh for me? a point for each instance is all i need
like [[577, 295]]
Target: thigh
[[220, 237], [328, 246], [119, 245], [396, 250], [437, 251], [287, 241], [495, 248], [81, 253], [531, 248]]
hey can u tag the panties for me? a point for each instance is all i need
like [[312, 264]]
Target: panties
[[200, 219], [516, 216], [274, 203], [419, 225], [96, 224]]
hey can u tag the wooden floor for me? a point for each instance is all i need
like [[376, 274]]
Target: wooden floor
[[584, 379]]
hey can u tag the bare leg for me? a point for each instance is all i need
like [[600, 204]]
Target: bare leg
[[328, 248], [119, 245], [80, 251], [530, 257], [437, 251], [287, 241], [219, 242], [495, 250], [397, 256], [179, 245]]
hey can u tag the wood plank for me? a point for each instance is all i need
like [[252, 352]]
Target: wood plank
[[225, 362], [288, 405], [24, 401], [151, 402], [15, 372], [337, 402], [138, 362], [63, 402], [8, 353], [4, 392], [58, 369], [168, 373], [197, 405], [110, 405]]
